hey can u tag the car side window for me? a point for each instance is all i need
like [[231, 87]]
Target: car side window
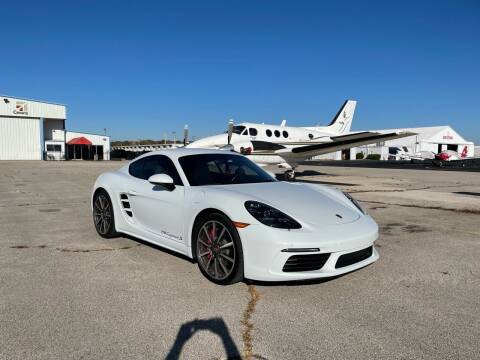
[[136, 167], [155, 164]]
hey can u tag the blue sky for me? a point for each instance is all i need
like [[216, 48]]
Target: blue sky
[[140, 69]]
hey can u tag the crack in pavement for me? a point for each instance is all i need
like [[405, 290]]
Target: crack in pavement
[[72, 250], [464, 211], [42, 204], [127, 247], [247, 336], [392, 190], [410, 189]]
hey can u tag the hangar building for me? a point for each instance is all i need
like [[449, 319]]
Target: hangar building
[[35, 130], [433, 139]]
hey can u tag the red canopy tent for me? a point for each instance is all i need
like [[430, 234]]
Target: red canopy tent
[[80, 141]]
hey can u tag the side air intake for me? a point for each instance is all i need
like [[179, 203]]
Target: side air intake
[[126, 205]]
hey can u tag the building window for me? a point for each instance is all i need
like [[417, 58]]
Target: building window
[[285, 134], [51, 147], [269, 133], [253, 131], [277, 133]]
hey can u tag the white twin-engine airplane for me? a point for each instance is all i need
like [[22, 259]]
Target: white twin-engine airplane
[[287, 146]]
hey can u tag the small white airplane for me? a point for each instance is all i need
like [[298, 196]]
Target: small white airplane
[[287, 146], [443, 156]]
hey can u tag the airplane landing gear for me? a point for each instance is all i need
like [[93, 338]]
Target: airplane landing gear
[[290, 175]]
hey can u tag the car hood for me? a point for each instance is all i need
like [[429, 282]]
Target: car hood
[[312, 204]]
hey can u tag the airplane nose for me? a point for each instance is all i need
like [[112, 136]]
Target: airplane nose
[[205, 142]]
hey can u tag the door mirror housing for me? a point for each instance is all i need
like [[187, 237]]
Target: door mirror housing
[[162, 180]]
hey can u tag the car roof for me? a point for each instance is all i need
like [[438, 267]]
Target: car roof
[[175, 153]]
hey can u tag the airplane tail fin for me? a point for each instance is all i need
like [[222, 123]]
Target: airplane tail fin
[[342, 122]]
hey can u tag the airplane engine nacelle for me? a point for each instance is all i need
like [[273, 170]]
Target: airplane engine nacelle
[[244, 147]]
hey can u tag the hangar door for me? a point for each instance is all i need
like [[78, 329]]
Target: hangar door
[[20, 138]]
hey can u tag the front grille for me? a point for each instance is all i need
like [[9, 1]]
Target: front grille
[[354, 257], [305, 262]]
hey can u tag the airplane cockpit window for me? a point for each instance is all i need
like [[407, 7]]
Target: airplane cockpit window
[[239, 129], [253, 131], [277, 133], [269, 132], [310, 136], [285, 134]]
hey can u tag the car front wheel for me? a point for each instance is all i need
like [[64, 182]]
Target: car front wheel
[[218, 249], [103, 218]]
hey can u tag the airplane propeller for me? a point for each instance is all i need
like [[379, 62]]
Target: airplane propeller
[[185, 135], [230, 130]]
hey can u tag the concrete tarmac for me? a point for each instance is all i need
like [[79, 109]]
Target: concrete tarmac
[[66, 293]]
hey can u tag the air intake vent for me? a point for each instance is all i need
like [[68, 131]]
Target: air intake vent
[[126, 204], [354, 257], [305, 262]]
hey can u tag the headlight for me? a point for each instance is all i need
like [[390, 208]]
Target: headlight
[[270, 216], [355, 202]]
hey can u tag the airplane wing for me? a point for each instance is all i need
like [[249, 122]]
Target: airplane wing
[[298, 154]]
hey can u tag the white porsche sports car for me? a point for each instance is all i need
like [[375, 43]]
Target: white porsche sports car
[[233, 217]]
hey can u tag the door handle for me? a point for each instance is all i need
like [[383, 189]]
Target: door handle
[[132, 193]]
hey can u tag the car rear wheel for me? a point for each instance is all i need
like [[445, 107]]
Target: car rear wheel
[[103, 217], [218, 249]]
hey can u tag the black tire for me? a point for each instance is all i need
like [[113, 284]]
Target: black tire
[[103, 215], [220, 253], [290, 175]]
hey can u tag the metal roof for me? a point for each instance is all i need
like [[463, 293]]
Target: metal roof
[[26, 99]]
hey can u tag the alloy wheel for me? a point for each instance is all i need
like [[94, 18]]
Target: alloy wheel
[[102, 214], [215, 250]]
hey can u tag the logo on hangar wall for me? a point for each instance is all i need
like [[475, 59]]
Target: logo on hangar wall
[[21, 108]]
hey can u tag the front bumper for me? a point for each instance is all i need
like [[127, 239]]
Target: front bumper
[[264, 259]]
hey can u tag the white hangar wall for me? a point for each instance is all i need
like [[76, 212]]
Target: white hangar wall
[[22, 122], [35, 130], [432, 139], [20, 139]]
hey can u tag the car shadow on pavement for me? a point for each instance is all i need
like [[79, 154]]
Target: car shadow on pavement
[[214, 325], [281, 176], [292, 282], [157, 247]]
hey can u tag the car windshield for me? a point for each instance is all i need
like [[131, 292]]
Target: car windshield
[[222, 169]]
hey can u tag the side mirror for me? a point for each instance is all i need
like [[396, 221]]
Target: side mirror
[[162, 180]]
